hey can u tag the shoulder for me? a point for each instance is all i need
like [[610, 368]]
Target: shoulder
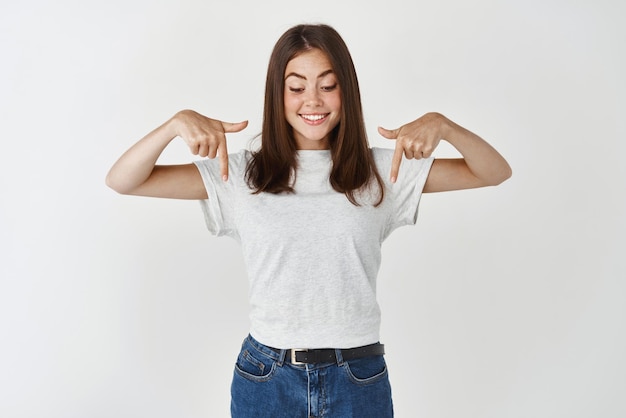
[[383, 158], [378, 152], [381, 154], [240, 158], [236, 161]]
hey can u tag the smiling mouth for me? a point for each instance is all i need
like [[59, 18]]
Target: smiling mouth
[[314, 119]]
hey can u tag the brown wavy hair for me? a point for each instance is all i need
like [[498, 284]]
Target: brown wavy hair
[[274, 166]]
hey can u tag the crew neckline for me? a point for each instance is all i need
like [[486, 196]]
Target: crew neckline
[[313, 156]]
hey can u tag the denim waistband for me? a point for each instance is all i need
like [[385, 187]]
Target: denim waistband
[[274, 353], [317, 356]]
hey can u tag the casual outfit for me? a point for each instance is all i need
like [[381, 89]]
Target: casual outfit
[[312, 259]]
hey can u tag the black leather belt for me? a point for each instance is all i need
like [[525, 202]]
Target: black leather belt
[[328, 355]]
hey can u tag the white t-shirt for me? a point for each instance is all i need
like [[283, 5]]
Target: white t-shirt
[[312, 257]]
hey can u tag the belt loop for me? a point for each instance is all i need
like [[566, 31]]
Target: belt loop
[[339, 356], [281, 357]]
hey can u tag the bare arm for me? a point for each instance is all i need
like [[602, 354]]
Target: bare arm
[[136, 172], [480, 166]]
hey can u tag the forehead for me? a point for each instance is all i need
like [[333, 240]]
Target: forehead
[[311, 62]]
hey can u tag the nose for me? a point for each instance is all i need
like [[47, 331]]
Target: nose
[[313, 98]]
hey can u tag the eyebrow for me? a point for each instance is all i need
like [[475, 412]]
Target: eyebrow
[[324, 74]]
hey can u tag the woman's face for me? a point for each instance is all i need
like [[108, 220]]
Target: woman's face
[[312, 99]]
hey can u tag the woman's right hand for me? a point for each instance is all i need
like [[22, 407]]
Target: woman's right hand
[[206, 137], [136, 172]]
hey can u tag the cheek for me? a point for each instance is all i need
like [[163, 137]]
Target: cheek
[[291, 109], [290, 102], [335, 101]]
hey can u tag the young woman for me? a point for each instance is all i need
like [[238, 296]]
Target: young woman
[[311, 209]]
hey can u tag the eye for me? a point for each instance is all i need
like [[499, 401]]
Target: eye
[[329, 88], [296, 89]]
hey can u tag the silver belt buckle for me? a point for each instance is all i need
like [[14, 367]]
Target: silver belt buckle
[[293, 356]]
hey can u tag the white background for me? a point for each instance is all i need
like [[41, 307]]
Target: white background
[[503, 302]]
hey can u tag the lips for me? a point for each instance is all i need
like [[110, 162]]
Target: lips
[[314, 119]]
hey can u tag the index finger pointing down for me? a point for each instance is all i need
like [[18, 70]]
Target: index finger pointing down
[[395, 162], [222, 151]]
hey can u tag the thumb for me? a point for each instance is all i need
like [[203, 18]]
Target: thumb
[[389, 134], [234, 127]]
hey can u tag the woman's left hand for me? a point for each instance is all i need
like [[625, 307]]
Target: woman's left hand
[[417, 139], [481, 165]]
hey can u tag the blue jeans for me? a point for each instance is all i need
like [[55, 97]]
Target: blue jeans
[[265, 385]]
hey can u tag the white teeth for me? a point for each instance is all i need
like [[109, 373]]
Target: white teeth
[[313, 118]]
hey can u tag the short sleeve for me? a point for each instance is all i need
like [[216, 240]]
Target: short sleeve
[[403, 196], [219, 208]]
